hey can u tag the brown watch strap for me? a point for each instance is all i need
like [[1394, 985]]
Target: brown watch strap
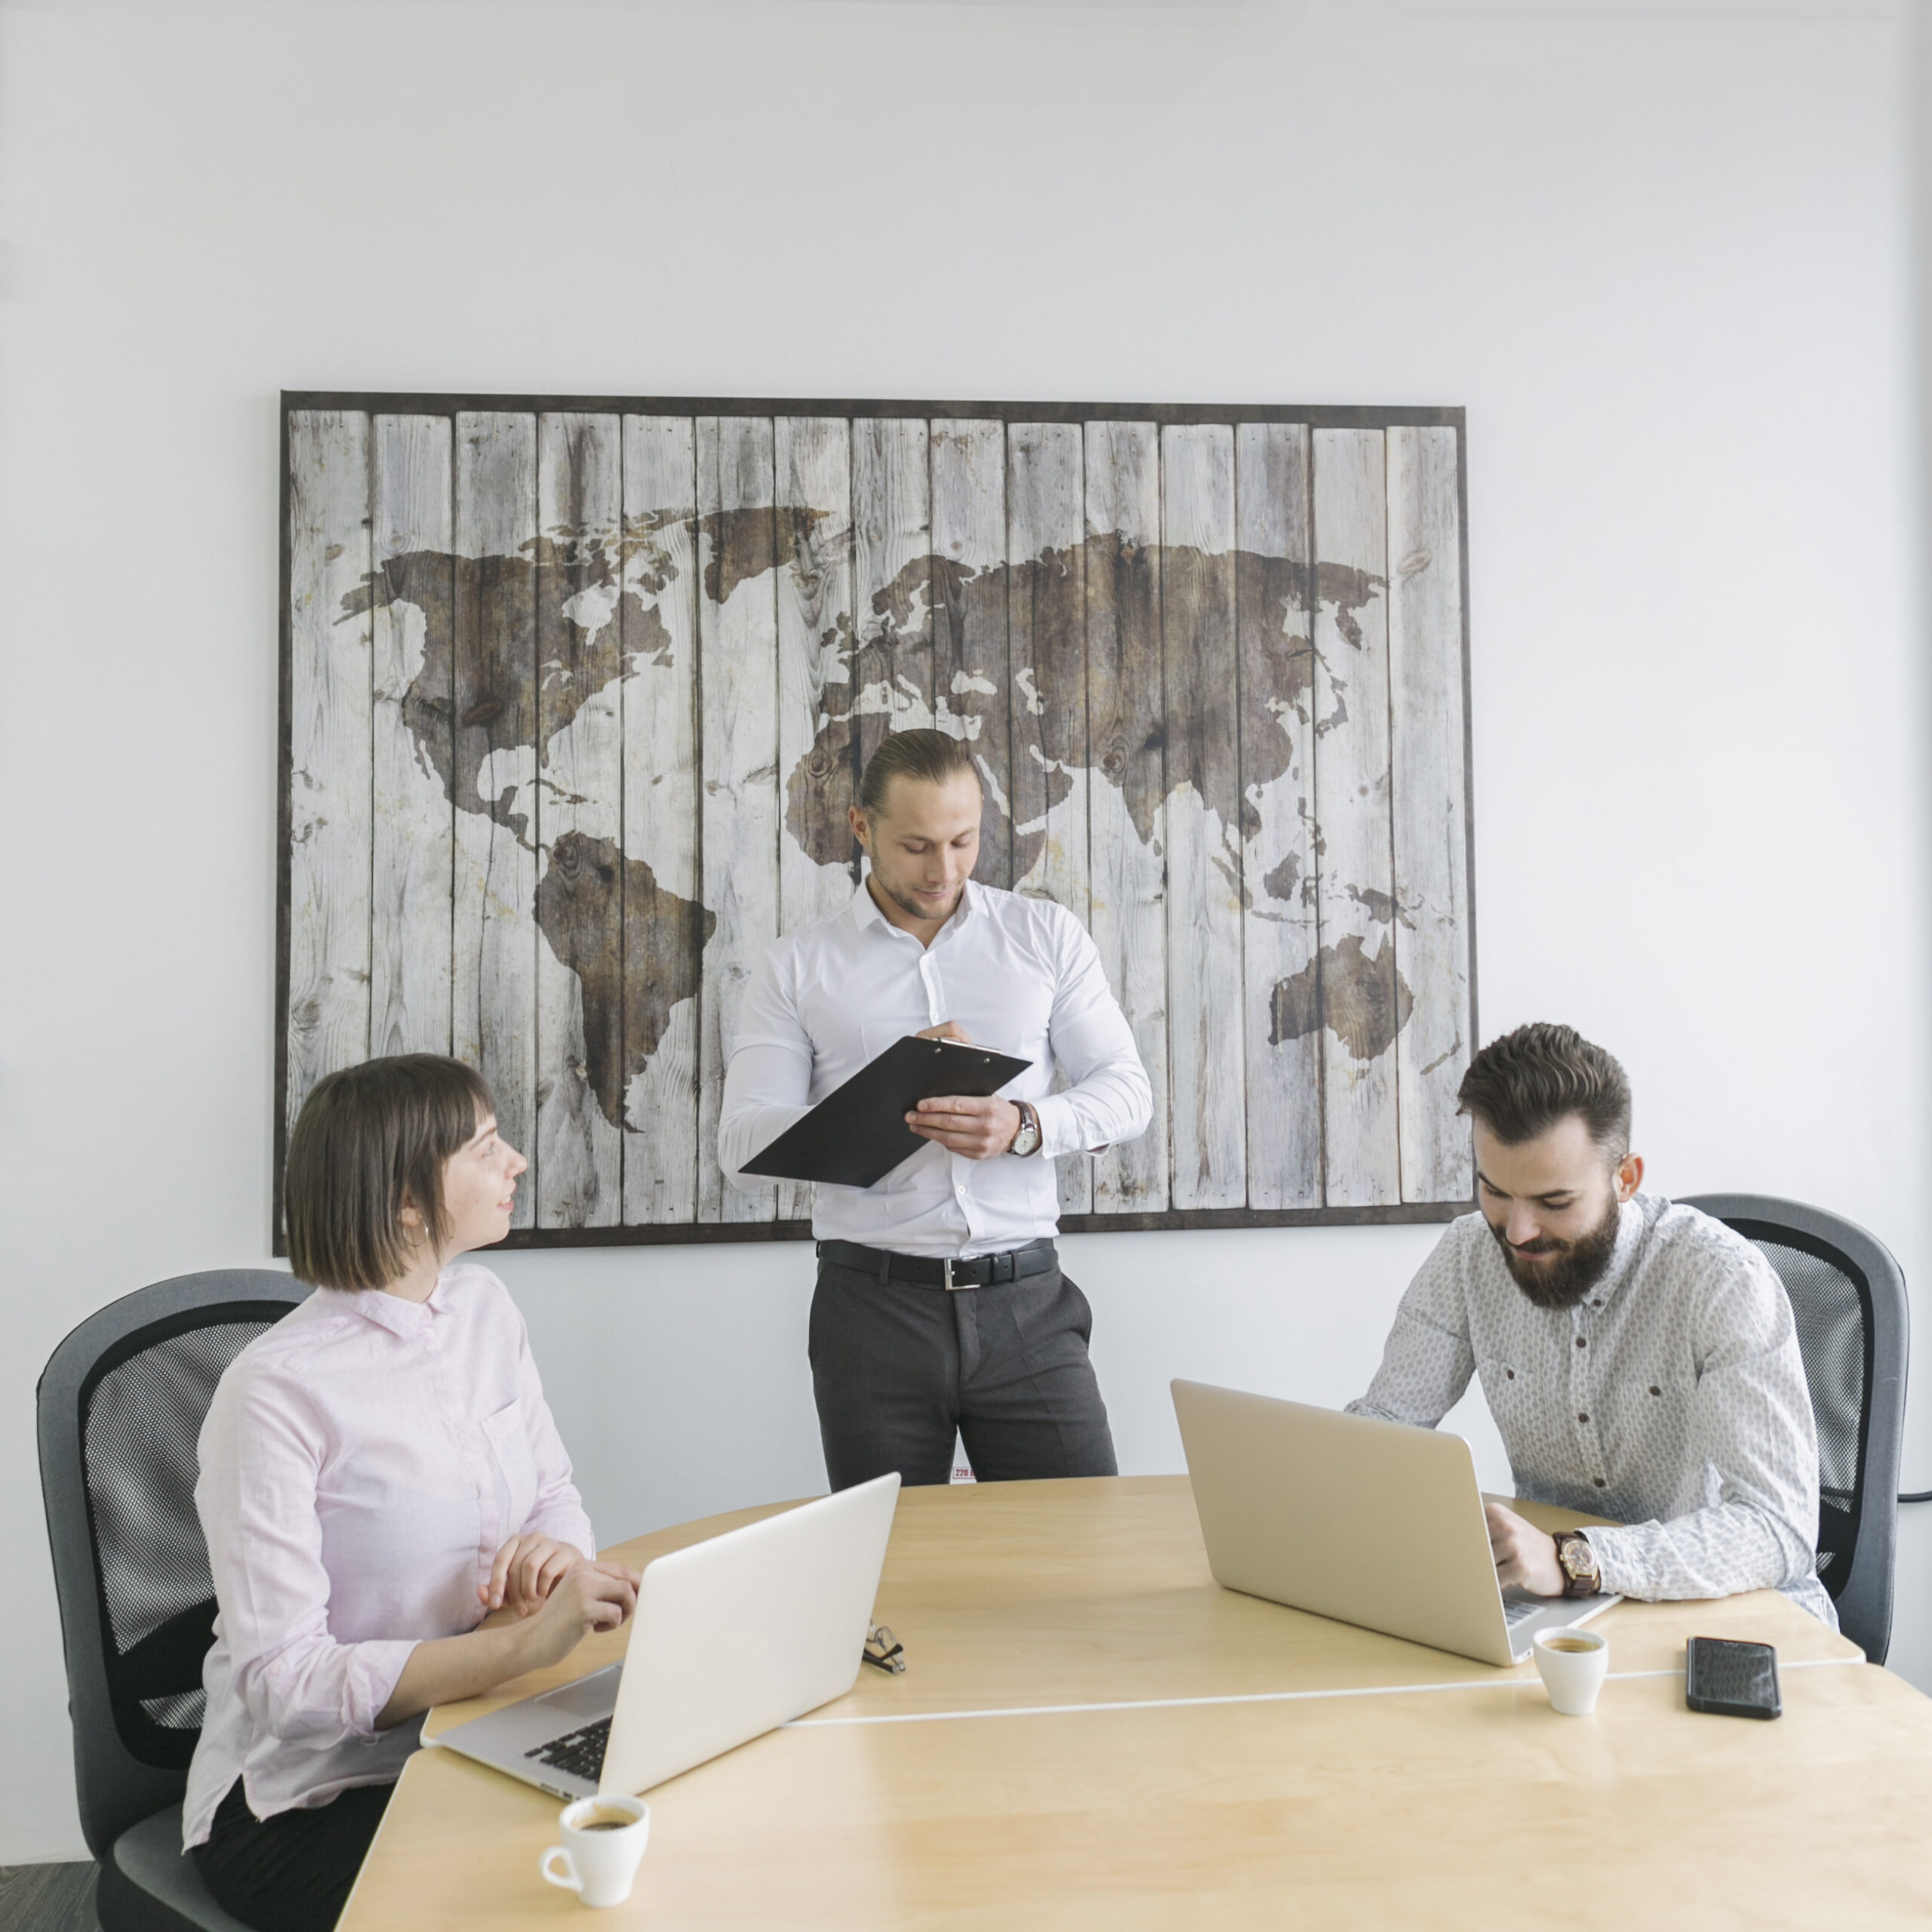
[[1574, 1585]]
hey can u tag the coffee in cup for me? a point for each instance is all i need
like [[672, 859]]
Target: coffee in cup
[[1572, 1664], [604, 1842]]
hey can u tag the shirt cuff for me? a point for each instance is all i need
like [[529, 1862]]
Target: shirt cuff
[[375, 1668], [1060, 1126], [1616, 1575]]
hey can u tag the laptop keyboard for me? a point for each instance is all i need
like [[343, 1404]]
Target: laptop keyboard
[[579, 1752], [1513, 1613]]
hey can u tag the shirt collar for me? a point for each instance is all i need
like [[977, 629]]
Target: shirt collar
[[863, 911], [1631, 1226], [401, 1317]]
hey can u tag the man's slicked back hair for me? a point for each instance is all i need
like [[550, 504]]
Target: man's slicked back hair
[[927, 758], [1521, 1085], [366, 1137]]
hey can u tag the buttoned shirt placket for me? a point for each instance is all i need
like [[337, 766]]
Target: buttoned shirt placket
[[1585, 1378], [930, 980]]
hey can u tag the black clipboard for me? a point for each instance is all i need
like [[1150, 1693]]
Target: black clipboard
[[857, 1134]]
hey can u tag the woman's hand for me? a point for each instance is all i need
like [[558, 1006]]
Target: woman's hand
[[525, 1572], [587, 1597]]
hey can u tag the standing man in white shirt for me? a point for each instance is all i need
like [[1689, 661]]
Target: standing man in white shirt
[[1640, 1358], [940, 1304]]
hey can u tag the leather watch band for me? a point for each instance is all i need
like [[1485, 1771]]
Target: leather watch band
[[1585, 1579]]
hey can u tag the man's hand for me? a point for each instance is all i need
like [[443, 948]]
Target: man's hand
[[525, 1572], [978, 1129], [1525, 1555]]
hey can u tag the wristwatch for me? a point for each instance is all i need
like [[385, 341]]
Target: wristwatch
[[1581, 1577], [1027, 1140]]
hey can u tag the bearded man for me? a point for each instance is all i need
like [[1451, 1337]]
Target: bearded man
[[1639, 1358]]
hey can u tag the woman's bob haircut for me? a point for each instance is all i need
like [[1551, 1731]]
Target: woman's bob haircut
[[368, 1137]]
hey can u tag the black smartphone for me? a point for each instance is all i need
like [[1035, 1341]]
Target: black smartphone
[[1732, 1680]]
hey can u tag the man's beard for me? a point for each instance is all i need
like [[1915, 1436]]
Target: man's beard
[[1578, 1267], [906, 903]]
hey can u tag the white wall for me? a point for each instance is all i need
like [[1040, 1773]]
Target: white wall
[[1665, 261]]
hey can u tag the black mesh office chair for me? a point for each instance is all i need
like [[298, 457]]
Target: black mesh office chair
[[1847, 1296], [121, 1405]]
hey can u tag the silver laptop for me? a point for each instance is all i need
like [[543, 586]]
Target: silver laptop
[[1367, 1521], [732, 1637]]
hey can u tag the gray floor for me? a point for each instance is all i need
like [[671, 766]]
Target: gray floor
[[47, 1898]]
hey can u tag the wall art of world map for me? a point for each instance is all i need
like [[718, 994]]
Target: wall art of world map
[[576, 694]]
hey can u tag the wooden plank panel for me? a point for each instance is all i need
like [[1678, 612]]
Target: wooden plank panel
[[1127, 812], [410, 902], [580, 886], [494, 782], [1283, 1047], [817, 745], [1046, 645], [892, 673], [330, 725], [1359, 1011], [970, 679], [738, 718], [1428, 812], [664, 920], [817, 748], [1200, 667]]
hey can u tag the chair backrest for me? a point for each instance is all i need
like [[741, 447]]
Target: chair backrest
[[1848, 1299], [121, 1405]]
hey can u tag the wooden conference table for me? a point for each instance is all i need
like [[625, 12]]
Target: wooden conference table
[[1089, 1733]]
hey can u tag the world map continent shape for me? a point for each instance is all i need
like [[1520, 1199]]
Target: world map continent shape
[[514, 598]]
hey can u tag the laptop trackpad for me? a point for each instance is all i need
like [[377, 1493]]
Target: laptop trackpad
[[592, 1696]]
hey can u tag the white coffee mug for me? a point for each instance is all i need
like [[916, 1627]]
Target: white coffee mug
[[604, 1842], [1572, 1664]]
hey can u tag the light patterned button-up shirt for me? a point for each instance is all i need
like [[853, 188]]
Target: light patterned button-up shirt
[[361, 1464], [1671, 1400], [1019, 975]]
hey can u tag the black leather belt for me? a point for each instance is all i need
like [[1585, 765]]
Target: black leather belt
[[982, 1271]]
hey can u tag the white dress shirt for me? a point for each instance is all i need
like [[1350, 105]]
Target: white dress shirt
[[1672, 1400], [1019, 975], [362, 1463]]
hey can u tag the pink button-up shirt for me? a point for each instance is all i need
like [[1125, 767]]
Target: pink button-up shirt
[[361, 1464]]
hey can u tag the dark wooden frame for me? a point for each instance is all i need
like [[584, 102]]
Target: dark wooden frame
[[1327, 416]]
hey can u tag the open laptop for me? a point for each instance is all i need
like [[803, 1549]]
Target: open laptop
[[1367, 1521], [732, 1637]]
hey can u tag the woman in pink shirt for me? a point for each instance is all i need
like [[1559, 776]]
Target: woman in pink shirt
[[389, 1514]]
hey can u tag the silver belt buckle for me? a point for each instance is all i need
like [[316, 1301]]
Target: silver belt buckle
[[947, 1265]]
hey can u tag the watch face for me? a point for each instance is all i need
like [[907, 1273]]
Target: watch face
[[1577, 1561]]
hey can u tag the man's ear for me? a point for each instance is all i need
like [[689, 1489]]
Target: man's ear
[[1630, 1176], [860, 830]]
